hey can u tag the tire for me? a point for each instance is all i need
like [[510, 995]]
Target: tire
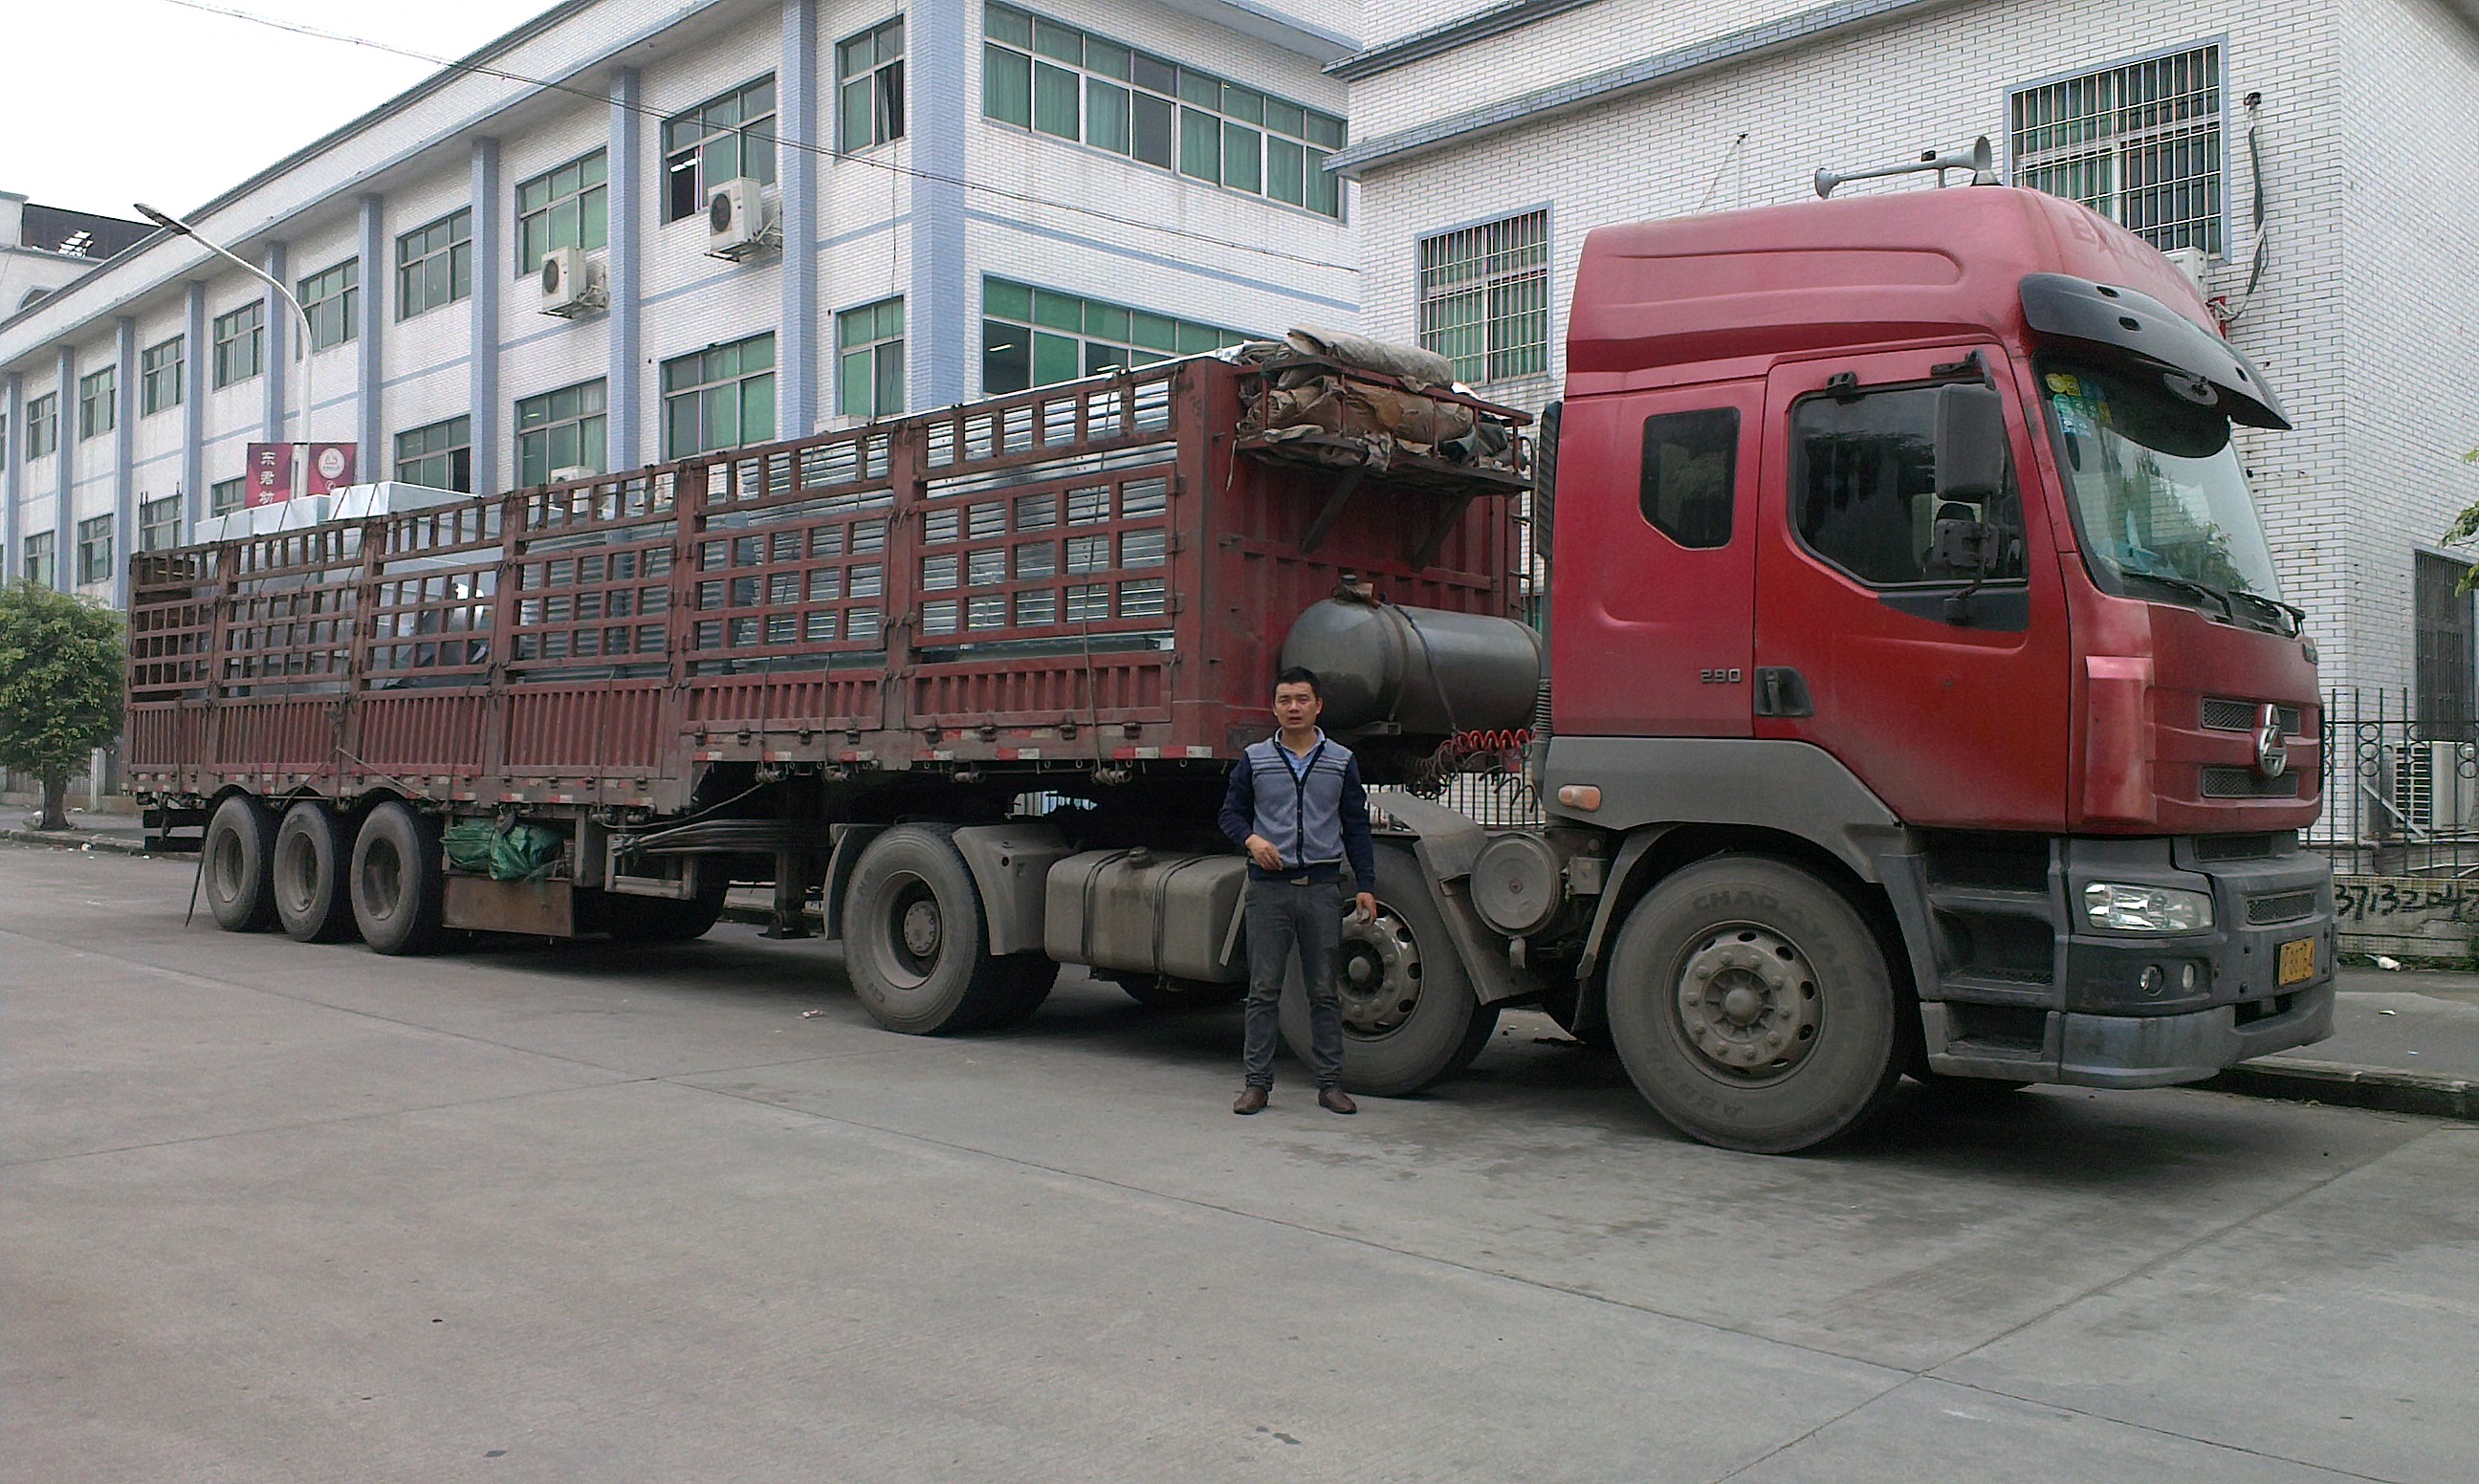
[[237, 862], [313, 848], [398, 884], [662, 920], [1409, 1016], [914, 942], [1753, 1007]]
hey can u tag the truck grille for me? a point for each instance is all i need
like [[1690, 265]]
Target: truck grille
[[2237, 847], [2281, 906], [2222, 714], [2247, 783]]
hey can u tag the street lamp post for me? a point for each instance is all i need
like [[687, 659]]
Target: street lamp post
[[309, 352]]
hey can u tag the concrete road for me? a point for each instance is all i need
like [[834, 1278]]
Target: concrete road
[[283, 1212]]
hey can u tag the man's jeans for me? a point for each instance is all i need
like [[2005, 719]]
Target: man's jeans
[[1284, 915]]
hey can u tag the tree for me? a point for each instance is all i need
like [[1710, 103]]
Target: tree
[[2465, 527], [61, 664]]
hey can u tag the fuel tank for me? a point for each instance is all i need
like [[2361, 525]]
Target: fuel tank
[[1428, 672]]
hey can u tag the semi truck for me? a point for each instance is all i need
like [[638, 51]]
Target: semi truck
[[1910, 693]]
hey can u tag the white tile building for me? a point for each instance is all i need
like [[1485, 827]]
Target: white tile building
[[958, 197], [1489, 138]]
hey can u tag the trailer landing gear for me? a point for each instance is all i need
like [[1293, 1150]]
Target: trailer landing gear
[[1752, 1007]]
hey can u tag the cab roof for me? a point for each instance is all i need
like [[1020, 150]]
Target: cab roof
[[1657, 297]]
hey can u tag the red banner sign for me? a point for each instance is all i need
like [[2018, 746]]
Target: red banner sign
[[270, 474], [331, 467]]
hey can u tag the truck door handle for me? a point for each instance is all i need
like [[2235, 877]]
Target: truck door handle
[[1781, 691]]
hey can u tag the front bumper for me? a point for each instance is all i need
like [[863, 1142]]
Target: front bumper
[[2126, 1011]]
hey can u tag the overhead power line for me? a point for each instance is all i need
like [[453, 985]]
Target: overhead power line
[[805, 147]]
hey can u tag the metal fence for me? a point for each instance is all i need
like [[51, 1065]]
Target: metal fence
[[2401, 791]]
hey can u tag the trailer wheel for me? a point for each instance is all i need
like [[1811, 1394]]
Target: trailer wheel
[[1753, 1007], [1409, 1016], [312, 850], [398, 885], [239, 856], [914, 943]]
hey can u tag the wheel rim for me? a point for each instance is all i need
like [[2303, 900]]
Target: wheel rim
[[1748, 1003], [228, 866], [1379, 979], [382, 876], [296, 869], [917, 930]]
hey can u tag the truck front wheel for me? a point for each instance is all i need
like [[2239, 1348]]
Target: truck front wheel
[[915, 945], [1753, 1007], [237, 860], [400, 885], [1409, 1016]]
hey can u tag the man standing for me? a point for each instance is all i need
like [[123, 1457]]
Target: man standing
[[1297, 804]]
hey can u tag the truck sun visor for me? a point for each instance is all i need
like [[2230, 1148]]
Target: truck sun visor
[[2104, 313]]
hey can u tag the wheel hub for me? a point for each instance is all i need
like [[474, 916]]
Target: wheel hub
[[921, 929], [1379, 979], [1748, 1001]]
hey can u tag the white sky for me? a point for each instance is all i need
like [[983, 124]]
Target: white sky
[[112, 101]]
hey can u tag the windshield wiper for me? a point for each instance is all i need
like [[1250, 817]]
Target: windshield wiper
[[2185, 585], [2279, 610]]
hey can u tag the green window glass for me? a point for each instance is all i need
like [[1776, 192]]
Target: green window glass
[[1106, 115], [1286, 178], [1243, 154], [434, 265], [333, 301], [1200, 144], [1034, 337], [439, 455], [1054, 100], [98, 403], [719, 140], [160, 372], [1007, 86], [870, 72], [569, 207], [241, 344], [719, 397], [562, 429], [869, 347]]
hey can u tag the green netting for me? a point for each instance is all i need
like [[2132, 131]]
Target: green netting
[[522, 853]]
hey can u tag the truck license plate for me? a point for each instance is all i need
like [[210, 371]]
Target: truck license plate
[[2297, 960]]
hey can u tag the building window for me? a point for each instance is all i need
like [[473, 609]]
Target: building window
[[719, 397], [1052, 79], [95, 550], [870, 68], [334, 300], [434, 265], [2140, 144], [98, 402], [729, 137], [2444, 652], [42, 424], [241, 344], [569, 207], [1485, 298], [39, 563], [159, 376], [869, 341], [227, 495], [562, 429], [440, 456], [1033, 336], [159, 524]]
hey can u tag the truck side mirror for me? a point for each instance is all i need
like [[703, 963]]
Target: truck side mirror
[[1970, 443], [1545, 479]]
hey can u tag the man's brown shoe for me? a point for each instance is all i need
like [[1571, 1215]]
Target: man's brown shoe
[[1251, 1100], [1336, 1100]]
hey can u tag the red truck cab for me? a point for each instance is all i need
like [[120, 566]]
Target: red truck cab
[[1906, 534]]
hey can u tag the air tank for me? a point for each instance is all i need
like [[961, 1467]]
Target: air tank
[[1428, 672]]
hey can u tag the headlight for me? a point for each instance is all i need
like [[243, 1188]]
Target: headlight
[[2121, 909]]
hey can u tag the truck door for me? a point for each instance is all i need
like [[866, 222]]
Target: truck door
[[1947, 698], [1654, 583]]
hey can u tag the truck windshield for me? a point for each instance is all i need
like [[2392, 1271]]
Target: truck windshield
[[2162, 502]]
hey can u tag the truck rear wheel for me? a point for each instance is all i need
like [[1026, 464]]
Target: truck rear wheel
[[915, 945], [398, 884], [1753, 1007], [238, 860], [312, 850], [1409, 1017]]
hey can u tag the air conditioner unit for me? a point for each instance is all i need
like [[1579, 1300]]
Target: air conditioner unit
[[568, 286], [2436, 785], [735, 221], [2191, 262], [568, 472]]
